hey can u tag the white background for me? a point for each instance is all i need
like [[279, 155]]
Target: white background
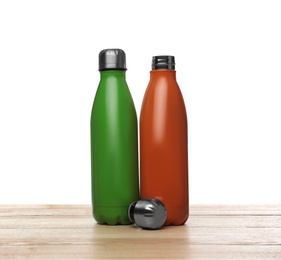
[[228, 62]]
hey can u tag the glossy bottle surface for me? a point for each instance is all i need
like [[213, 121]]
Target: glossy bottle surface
[[114, 150], [163, 146]]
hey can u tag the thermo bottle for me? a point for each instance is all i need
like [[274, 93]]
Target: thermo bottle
[[163, 142], [114, 142]]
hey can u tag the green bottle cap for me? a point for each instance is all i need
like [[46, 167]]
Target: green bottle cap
[[112, 59]]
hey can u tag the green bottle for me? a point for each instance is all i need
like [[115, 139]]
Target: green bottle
[[114, 142]]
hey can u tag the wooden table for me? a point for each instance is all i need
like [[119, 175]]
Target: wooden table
[[69, 232]]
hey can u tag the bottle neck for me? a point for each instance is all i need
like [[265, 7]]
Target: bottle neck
[[163, 73], [113, 73]]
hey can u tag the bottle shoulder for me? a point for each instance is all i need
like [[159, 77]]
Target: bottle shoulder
[[163, 90], [163, 99], [112, 95]]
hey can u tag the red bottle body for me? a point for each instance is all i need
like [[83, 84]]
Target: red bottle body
[[163, 146]]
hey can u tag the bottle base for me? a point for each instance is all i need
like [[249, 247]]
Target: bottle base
[[176, 216], [111, 215]]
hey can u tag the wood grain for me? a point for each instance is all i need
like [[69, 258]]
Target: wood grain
[[69, 232]]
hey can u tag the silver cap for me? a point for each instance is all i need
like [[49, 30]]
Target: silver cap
[[112, 59], [148, 213]]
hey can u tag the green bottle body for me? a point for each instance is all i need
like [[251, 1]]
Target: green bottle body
[[114, 150]]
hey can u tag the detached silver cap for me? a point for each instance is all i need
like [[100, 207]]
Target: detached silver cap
[[112, 59], [148, 213]]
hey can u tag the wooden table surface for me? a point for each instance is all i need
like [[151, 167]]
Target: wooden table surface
[[69, 232]]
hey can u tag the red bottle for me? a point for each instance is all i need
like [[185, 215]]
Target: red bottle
[[163, 142]]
